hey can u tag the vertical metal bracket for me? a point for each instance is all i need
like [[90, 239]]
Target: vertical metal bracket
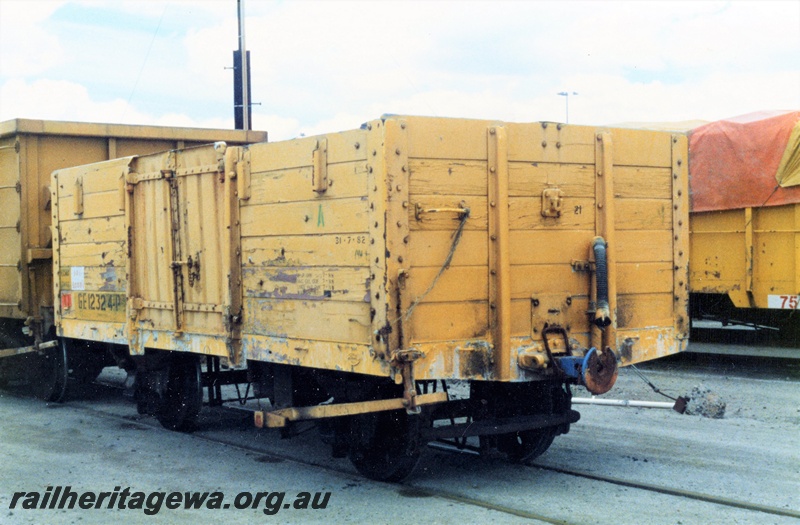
[[680, 234], [797, 248], [404, 360], [237, 183], [378, 195], [56, 250], [499, 256], [175, 245], [749, 255], [319, 177], [129, 181], [47, 198], [243, 175], [605, 227], [395, 153], [78, 196], [112, 148]]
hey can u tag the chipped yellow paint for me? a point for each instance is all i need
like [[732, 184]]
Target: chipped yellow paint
[[645, 344], [314, 352], [105, 331], [748, 254], [94, 306], [30, 150], [98, 278], [184, 252], [152, 252], [382, 255]]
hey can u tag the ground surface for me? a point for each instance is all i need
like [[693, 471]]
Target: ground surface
[[751, 455]]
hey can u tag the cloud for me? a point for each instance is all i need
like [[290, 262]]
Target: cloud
[[326, 66], [64, 100], [59, 100], [278, 126], [26, 45], [607, 99]]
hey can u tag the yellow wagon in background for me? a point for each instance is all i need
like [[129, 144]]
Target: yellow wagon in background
[[30, 150], [745, 221]]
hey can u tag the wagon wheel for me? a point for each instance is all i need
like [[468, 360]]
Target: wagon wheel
[[50, 373], [85, 372], [8, 370], [85, 362], [183, 398], [385, 446], [545, 398], [526, 445]]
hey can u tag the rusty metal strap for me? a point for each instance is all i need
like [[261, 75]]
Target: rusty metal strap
[[419, 209], [456, 239], [197, 170], [135, 177]]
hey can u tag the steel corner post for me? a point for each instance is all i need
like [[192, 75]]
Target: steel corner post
[[499, 255], [605, 229]]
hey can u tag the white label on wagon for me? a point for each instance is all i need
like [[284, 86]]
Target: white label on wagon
[[783, 302], [77, 280]]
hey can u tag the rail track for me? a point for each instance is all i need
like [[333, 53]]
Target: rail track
[[271, 456], [416, 489], [660, 489], [708, 498]]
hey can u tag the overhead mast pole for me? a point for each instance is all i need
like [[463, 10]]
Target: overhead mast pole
[[245, 67]]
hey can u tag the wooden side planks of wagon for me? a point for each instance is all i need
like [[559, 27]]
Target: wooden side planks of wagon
[[411, 249]]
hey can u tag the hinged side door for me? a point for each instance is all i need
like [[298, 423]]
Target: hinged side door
[[183, 223]]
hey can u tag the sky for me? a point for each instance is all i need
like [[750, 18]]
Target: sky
[[326, 66]]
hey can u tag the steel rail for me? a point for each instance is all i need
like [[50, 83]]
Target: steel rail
[[199, 434], [700, 496], [670, 491]]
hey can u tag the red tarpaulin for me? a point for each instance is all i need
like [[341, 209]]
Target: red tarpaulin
[[733, 163]]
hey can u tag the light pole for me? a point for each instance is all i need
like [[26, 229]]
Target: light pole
[[566, 95], [244, 70]]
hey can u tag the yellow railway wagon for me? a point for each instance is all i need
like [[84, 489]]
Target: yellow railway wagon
[[30, 150], [361, 269], [752, 255], [745, 220]]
